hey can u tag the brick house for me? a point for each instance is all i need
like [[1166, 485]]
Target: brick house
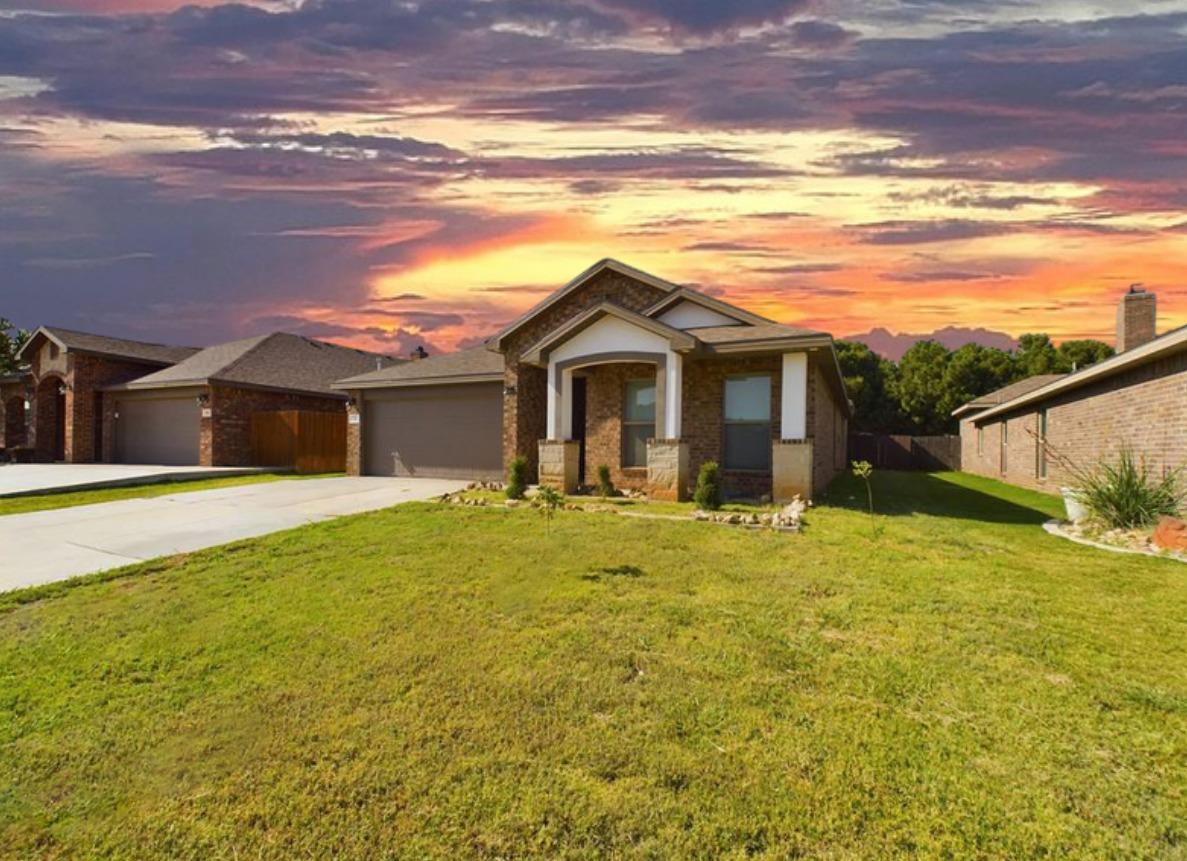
[[1136, 398], [67, 373], [623, 369], [199, 410]]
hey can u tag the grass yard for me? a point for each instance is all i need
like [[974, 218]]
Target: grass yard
[[448, 682], [68, 499]]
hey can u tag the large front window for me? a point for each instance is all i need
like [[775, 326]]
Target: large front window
[[638, 421], [748, 422]]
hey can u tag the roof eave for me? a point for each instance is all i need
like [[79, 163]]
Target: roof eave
[[448, 380]]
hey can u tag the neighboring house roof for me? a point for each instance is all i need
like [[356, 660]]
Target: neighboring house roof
[[276, 361], [104, 345], [1165, 345], [15, 377], [477, 364], [496, 342], [1006, 393]]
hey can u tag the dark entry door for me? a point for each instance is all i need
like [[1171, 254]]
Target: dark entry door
[[579, 425]]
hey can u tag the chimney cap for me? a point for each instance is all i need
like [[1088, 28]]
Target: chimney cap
[[1137, 288]]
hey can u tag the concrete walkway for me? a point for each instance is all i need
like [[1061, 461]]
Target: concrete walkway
[[23, 479], [45, 546]]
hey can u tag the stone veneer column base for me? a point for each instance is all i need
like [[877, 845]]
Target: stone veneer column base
[[791, 470], [667, 469], [559, 459]]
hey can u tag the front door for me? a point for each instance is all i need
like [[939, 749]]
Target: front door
[[579, 425]]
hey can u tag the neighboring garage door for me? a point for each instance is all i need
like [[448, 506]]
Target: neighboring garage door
[[435, 431], [157, 431]]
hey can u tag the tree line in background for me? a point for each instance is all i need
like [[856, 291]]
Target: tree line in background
[[918, 395], [11, 341]]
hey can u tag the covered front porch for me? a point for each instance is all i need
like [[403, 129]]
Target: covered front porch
[[649, 403]]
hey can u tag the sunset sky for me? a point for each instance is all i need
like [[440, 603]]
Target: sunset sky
[[387, 173]]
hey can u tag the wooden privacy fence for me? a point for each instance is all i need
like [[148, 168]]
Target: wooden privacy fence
[[300, 440], [896, 451]]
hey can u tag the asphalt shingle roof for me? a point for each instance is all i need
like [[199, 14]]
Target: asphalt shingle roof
[[476, 361], [279, 361], [121, 347], [1014, 390]]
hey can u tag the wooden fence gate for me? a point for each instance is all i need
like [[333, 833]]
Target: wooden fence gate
[[307, 442], [896, 451]]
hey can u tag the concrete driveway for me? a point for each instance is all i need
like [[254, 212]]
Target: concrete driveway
[[21, 479], [45, 546]]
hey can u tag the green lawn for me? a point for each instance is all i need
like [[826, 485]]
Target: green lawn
[[450, 682], [46, 501]]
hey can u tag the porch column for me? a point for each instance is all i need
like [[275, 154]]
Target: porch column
[[673, 396], [791, 455], [560, 400]]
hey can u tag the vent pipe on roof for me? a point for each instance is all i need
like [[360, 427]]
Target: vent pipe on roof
[[418, 353], [1137, 316]]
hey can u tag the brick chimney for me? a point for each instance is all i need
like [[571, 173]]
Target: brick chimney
[[418, 354], [1136, 317]]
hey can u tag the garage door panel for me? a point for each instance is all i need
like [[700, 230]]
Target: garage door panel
[[435, 431], [158, 431]]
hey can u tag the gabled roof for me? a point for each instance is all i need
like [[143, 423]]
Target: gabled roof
[[276, 361], [1006, 393], [687, 294], [725, 339], [1165, 345], [475, 365], [680, 341], [606, 264], [104, 345]]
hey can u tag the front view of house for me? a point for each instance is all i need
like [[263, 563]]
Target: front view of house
[[622, 369]]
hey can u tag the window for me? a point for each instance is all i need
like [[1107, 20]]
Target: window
[[748, 422], [1041, 445], [980, 440], [1005, 446], [638, 421]]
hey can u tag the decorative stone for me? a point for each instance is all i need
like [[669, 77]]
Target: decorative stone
[[667, 469], [1171, 534], [559, 460], [791, 470]]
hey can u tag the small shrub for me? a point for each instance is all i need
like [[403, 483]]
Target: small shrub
[[1126, 494], [864, 470], [605, 485], [708, 492], [549, 499], [517, 478]]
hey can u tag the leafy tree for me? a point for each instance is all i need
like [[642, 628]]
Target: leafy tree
[[1036, 355], [1080, 354], [972, 371], [11, 341], [869, 381], [920, 387]]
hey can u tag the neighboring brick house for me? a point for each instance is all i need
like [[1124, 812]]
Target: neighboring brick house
[[618, 368], [16, 390], [199, 411], [1137, 398], [68, 371]]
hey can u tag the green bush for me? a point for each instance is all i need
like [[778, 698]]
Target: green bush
[[517, 478], [605, 485], [708, 492], [1126, 494]]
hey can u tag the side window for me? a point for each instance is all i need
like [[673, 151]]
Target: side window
[[1005, 446], [638, 421], [747, 443], [1041, 445]]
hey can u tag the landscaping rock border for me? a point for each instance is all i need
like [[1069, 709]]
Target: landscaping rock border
[[1067, 531]]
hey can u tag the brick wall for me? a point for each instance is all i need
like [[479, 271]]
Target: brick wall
[[525, 412], [1145, 407], [604, 395], [12, 415], [225, 438]]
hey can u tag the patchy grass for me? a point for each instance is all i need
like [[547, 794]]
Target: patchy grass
[[68, 499], [449, 682]]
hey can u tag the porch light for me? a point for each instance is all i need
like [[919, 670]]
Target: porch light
[[351, 402], [203, 400], [509, 390], [62, 389]]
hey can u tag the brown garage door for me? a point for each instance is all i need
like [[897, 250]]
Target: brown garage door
[[435, 431], [157, 430]]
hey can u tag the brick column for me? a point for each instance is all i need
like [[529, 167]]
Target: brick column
[[354, 434], [791, 470], [559, 460], [667, 469]]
